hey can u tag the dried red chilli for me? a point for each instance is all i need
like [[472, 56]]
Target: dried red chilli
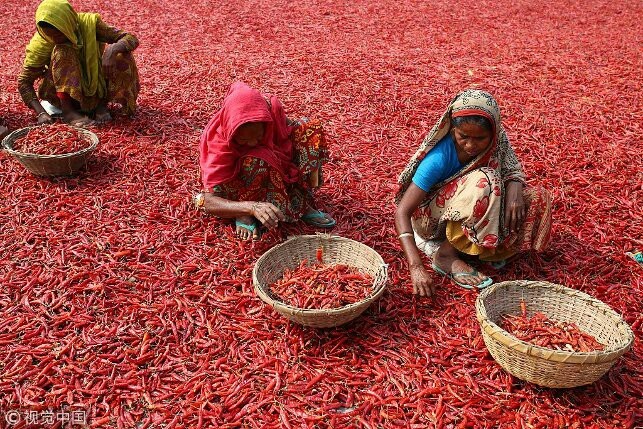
[[322, 286], [54, 139], [542, 331], [187, 280]]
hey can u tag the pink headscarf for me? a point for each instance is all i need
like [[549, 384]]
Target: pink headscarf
[[220, 157]]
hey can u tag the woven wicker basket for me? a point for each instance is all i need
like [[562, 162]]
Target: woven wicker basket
[[543, 366], [51, 165], [336, 250]]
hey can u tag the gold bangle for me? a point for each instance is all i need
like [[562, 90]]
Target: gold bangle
[[405, 234], [199, 201]]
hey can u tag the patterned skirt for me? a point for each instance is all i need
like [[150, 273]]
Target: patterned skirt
[[258, 181], [64, 75], [471, 210]]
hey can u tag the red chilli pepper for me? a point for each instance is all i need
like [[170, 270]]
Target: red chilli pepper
[[541, 331], [54, 139], [322, 286]]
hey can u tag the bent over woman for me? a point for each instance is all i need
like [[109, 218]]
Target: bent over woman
[[464, 193], [83, 63], [259, 167]]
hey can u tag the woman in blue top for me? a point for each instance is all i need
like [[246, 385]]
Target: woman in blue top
[[464, 191]]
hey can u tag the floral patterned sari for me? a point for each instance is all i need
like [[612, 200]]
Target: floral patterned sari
[[469, 205]]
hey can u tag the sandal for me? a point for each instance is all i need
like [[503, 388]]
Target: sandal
[[472, 273], [636, 256], [312, 219], [497, 265], [249, 227]]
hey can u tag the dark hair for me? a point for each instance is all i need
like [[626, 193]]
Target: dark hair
[[46, 24], [481, 121]]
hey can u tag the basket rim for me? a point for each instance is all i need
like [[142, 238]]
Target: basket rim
[[7, 144], [500, 335], [378, 286]]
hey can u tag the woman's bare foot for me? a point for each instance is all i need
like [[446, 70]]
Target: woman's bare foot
[[446, 258], [77, 119], [247, 227], [102, 114]]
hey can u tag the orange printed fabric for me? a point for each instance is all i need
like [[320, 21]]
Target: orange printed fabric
[[258, 181]]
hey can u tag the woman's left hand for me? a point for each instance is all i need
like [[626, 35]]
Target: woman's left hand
[[514, 206], [109, 57]]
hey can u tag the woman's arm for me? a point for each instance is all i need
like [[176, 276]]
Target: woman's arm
[[267, 213], [515, 209], [422, 283], [26, 80], [121, 41], [513, 178]]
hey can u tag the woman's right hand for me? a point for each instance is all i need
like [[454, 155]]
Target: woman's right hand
[[267, 213], [422, 283], [44, 118]]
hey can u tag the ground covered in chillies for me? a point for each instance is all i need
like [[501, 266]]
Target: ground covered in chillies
[[118, 298]]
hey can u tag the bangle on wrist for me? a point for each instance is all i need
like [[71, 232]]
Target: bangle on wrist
[[199, 201], [405, 234], [44, 112]]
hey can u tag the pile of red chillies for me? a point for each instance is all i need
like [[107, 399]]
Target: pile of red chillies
[[319, 286], [542, 331], [54, 139], [119, 298]]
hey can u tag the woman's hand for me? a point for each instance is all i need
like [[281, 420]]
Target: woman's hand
[[422, 283], [267, 213], [44, 118], [515, 210], [109, 57], [109, 60]]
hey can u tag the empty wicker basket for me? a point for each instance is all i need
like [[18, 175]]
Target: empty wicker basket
[[337, 250], [543, 366], [51, 165]]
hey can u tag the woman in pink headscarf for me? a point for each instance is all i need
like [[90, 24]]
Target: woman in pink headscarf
[[259, 167]]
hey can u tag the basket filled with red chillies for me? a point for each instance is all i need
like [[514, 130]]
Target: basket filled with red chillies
[[549, 334], [320, 280], [51, 150]]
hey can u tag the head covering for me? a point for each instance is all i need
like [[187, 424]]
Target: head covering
[[498, 154], [80, 30], [220, 157]]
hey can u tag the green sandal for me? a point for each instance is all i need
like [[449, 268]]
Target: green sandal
[[472, 273], [637, 256], [497, 265], [312, 219], [250, 227]]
